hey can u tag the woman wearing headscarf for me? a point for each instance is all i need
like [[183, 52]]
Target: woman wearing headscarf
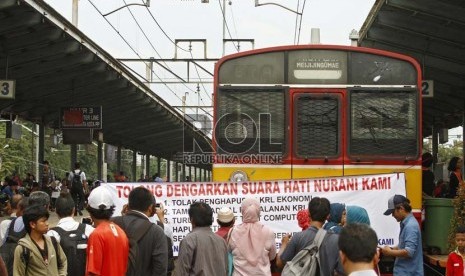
[[455, 175], [355, 214], [252, 244], [335, 216]]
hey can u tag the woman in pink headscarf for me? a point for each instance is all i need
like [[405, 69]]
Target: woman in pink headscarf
[[252, 244]]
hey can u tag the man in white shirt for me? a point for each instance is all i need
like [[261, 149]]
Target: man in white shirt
[[78, 185], [358, 250], [65, 211], [70, 232]]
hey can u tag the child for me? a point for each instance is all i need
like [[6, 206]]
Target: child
[[456, 258], [36, 253]]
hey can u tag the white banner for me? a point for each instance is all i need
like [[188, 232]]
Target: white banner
[[280, 200]]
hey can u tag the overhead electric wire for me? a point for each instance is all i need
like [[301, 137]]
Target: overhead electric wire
[[301, 16], [234, 20], [140, 28], [169, 38], [226, 23], [153, 47], [129, 45], [198, 74]]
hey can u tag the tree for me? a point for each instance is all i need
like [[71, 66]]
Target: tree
[[458, 218], [445, 151]]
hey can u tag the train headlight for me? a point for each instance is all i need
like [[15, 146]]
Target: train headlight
[[238, 176]]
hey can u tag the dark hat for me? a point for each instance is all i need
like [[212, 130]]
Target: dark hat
[[393, 201]]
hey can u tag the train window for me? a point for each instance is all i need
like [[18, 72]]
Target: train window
[[317, 126], [250, 121], [383, 123], [378, 70]]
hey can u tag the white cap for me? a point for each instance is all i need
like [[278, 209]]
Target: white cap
[[225, 215], [100, 199]]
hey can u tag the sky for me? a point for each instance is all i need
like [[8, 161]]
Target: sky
[[268, 25]]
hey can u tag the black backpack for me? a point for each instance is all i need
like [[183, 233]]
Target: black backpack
[[170, 250], [76, 183], [74, 244], [133, 243], [7, 250]]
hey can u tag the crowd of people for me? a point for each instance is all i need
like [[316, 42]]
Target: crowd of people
[[131, 244], [141, 248]]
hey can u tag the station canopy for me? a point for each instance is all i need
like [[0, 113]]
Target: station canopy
[[55, 65], [432, 32]]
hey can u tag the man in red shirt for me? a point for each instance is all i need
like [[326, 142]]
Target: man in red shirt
[[225, 219], [108, 245]]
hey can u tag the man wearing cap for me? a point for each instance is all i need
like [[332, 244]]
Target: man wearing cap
[[108, 245], [409, 252], [225, 220]]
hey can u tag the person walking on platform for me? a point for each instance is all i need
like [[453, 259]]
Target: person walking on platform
[[78, 183], [409, 252]]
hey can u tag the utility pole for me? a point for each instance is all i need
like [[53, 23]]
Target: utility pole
[[224, 23], [74, 18]]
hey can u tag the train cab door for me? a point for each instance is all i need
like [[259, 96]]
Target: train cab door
[[317, 132]]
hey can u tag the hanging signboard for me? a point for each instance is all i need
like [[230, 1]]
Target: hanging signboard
[[280, 200], [7, 89], [81, 117], [427, 89]]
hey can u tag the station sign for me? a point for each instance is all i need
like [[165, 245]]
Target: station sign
[[81, 117], [427, 88], [7, 89]]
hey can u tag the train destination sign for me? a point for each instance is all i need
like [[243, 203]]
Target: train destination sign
[[81, 117], [316, 66]]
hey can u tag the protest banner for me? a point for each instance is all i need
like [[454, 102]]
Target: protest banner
[[280, 200]]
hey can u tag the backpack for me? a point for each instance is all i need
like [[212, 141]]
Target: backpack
[[7, 250], [76, 183], [74, 244], [26, 254], [133, 243], [170, 250], [306, 262]]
